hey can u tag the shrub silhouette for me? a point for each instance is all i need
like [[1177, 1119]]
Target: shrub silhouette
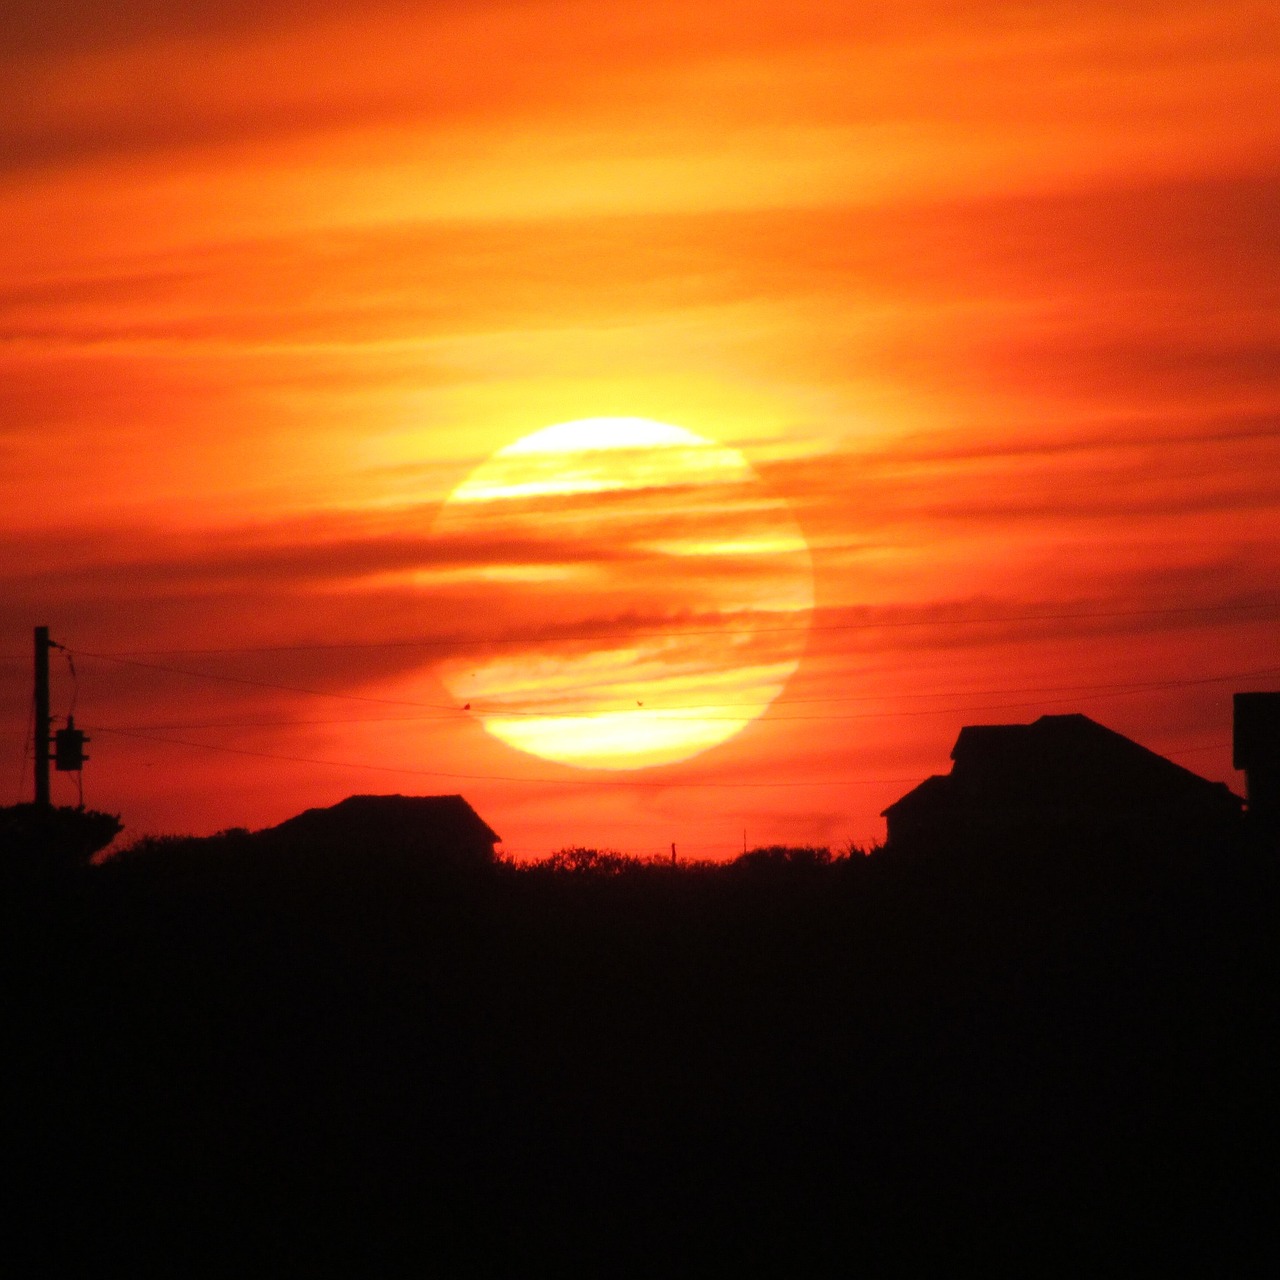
[[578, 860], [36, 839], [784, 857]]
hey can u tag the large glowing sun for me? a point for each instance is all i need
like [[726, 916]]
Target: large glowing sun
[[642, 596]]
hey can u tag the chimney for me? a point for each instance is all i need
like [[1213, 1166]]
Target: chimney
[[1256, 750]]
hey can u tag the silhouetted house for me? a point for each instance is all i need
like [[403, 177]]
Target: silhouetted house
[[1061, 780], [1256, 750], [440, 829]]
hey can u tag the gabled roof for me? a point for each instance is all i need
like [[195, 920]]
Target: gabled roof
[[1063, 761], [433, 819], [933, 789], [991, 740]]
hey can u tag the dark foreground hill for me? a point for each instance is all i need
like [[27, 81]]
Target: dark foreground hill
[[223, 1055]]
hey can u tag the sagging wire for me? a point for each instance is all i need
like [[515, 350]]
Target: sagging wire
[[75, 682], [28, 742]]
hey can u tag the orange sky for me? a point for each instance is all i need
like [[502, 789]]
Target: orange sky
[[986, 293]]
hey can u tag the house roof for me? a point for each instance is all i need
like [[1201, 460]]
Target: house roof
[[1062, 761], [430, 819], [934, 788]]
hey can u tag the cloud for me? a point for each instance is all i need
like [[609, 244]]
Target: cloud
[[46, 28], [905, 94], [334, 578]]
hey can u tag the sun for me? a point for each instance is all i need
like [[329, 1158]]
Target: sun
[[644, 596]]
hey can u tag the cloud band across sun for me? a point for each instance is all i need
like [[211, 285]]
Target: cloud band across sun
[[692, 536]]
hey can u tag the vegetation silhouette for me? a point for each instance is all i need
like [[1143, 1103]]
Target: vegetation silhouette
[[41, 840], [577, 860], [259, 1048]]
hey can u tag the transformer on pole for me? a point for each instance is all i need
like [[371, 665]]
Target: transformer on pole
[[68, 748], [68, 743]]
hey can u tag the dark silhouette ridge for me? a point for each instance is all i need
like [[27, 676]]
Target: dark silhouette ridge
[[1061, 781], [247, 1050]]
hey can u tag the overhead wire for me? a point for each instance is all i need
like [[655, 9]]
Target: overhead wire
[[130, 658], [628, 784], [75, 681], [28, 742], [452, 712]]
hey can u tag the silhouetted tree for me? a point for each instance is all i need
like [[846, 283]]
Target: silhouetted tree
[[782, 857], [578, 860], [37, 839]]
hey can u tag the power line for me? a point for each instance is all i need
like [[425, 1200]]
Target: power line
[[75, 682], [539, 781], [499, 777], [27, 744], [1089, 692], [1112, 689], [1208, 746]]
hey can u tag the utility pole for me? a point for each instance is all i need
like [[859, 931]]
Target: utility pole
[[42, 718]]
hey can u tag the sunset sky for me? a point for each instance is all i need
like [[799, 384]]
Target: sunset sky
[[981, 299]]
